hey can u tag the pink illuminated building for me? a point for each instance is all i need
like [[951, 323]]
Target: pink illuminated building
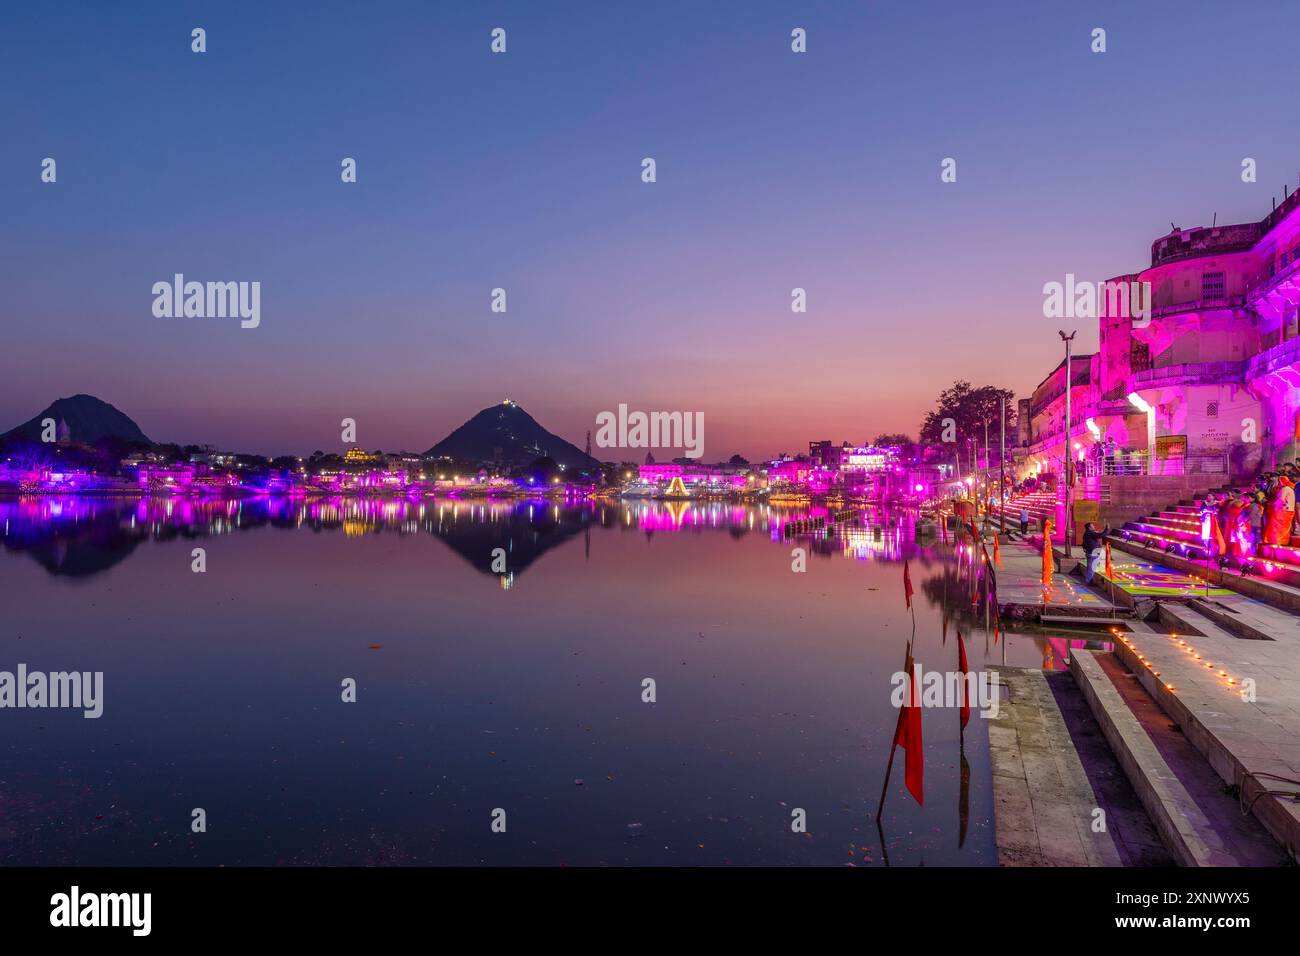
[[652, 472], [707, 477], [1203, 389]]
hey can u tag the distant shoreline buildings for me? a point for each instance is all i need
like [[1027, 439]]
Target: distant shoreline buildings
[[865, 472]]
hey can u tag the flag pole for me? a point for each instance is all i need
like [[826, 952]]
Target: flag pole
[[880, 808], [893, 747]]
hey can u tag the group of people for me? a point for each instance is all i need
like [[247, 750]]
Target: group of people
[[1276, 493], [1262, 514]]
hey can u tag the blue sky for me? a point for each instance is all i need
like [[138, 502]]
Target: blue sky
[[775, 170]]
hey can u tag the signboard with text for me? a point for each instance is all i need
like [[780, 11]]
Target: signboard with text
[[1171, 446]]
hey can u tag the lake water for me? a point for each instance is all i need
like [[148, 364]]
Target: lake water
[[519, 691]]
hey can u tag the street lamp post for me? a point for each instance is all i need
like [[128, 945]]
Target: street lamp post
[[1069, 452], [988, 501], [1002, 457]]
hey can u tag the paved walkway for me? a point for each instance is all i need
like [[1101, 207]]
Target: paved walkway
[[1052, 770], [1020, 584]]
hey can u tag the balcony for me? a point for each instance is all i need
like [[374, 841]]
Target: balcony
[[1199, 305], [1279, 356], [1204, 373], [1126, 464]]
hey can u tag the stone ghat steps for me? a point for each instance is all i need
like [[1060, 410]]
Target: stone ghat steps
[[1251, 740], [1174, 535], [1198, 822], [1280, 589], [1052, 769], [1039, 504]]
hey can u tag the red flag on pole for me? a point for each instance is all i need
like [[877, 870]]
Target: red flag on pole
[[907, 585], [963, 670], [908, 735]]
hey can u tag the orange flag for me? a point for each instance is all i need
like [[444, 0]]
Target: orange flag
[[997, 552], [1048, 566], [1110, 568], [908, 734], [907, 585], [962, 669]]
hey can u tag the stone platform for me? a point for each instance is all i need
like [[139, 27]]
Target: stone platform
[[1052, 772], [1197, 676]]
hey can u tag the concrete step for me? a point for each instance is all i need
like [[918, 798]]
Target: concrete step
[[1167, 520], [1225, 618], [1052, 769], [1250, 742], [1198, 822], [1152, 527]]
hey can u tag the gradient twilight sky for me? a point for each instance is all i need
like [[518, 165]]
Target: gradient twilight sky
[[775, 170]]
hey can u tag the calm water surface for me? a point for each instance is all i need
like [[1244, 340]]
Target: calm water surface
[[519, 691]]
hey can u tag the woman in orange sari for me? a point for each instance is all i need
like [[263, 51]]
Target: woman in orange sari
[[1233, 525]]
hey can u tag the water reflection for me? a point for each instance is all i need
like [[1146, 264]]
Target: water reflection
[[84, 536], [774, 686]]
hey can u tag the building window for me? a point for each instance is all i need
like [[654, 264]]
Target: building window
[[1212, 286], [1212, 410], [1139, 357]]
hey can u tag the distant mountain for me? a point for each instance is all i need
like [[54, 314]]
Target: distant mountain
[[82, 418], [507, 434]]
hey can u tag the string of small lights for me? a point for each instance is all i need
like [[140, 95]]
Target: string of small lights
[[1221, 673]]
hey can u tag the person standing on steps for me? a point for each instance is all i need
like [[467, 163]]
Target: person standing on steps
[[1093, 549]]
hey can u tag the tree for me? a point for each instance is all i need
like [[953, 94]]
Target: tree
[[969, 408], [737, 460], [169, 453], [896, 438], [543, 471]]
